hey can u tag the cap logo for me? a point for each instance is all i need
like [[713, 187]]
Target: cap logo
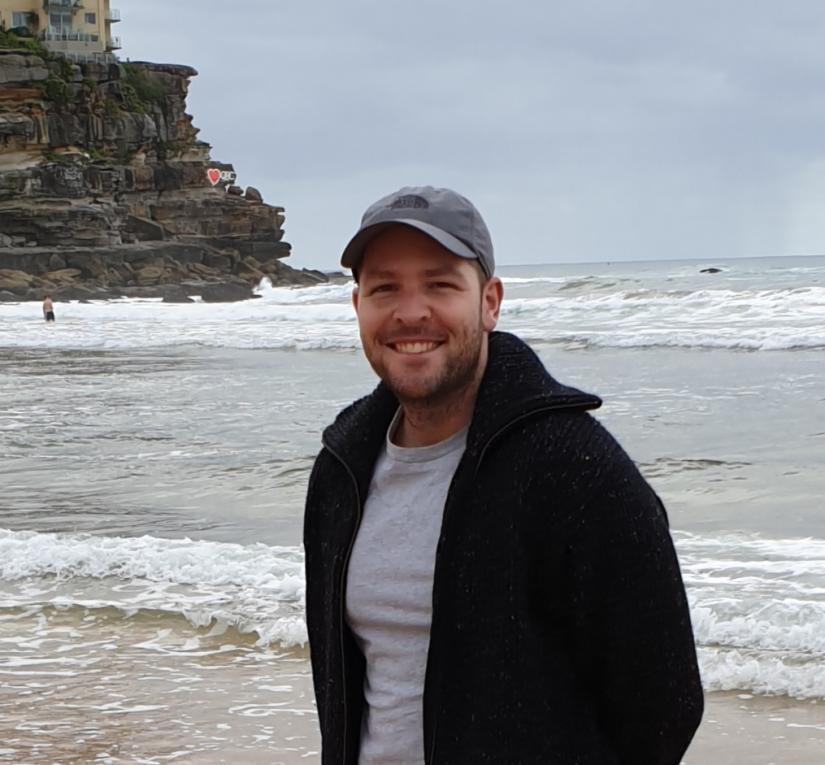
[[408, 201]]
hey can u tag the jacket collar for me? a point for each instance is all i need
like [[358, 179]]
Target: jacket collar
[[515, 385]]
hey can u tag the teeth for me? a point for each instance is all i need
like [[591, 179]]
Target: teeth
[[415, 347]]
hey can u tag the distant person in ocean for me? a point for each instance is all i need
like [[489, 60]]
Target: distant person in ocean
[[48, 308], [489, 577]]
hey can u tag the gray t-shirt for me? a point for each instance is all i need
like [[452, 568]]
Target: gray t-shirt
[[390, 588]]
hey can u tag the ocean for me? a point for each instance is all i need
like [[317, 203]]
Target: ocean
[[154, 457]]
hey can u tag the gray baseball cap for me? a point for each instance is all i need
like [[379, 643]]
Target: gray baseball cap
[[442, 214]]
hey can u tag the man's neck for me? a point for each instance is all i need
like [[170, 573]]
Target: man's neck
[[430, 423], [425, 426]]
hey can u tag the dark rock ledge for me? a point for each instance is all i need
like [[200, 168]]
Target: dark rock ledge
[[106, 191]]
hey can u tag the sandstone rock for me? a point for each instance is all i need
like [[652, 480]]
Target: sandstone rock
[[145, 230], [16, 125], [79, 292], [12, 280], [110, 174], [19, 67], [218, 261], [313, 273], [63, 275], [148, 275], [91, 266], [225, 293], [56, 262], [202, 270], [44, 286], [176, 295], [249, 273]]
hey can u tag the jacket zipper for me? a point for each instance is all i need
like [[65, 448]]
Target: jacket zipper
[[359, 512], [343, 594], [487, 443]]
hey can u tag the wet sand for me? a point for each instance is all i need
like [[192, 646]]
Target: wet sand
[[737, 729], [740, 729]]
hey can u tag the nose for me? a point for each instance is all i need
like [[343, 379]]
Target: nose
[[412, 307]]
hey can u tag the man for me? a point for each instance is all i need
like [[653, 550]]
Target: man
[[48, 308], [489, 578]]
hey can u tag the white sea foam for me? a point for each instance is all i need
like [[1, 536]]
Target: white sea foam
[[757, 605], [255, 588], [321, 317]]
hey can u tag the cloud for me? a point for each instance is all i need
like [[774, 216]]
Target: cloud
[[586, 130]]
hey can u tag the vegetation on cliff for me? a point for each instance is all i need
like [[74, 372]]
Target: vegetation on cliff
[[100, 165]]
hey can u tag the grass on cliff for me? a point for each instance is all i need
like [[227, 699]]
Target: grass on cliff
[[140, 90], [9, 39]]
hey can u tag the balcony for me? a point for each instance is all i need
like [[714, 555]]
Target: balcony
[[63, 5], [113, 44], [67, 35], [113, 15]]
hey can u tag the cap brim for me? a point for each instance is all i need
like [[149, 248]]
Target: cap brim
[[354, 251]]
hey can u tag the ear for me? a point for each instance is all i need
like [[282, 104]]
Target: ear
[[491, 296], [355, 296]]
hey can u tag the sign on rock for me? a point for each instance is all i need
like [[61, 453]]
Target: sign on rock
[[215, 176]]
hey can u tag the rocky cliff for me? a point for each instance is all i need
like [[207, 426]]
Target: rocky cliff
[[106, 190]]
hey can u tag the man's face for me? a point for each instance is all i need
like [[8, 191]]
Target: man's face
[[423, 315]]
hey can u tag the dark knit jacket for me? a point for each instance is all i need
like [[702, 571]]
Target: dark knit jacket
[[560, 629]]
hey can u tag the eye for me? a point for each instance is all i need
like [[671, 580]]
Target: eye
[[379, 288], [443, 285]]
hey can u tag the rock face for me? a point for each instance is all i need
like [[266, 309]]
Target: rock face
[[104, 185]]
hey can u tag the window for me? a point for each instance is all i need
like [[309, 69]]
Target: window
[[91, 18], [19, 19], [61, 22]]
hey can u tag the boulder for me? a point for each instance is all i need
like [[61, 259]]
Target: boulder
[[57, 262], [253, 195], [22, 68], [144, 230], [226, 293], [176, 294], [148, 275], [202, 270], [12, 280], [235, 191], [16, 125], [63, 275]]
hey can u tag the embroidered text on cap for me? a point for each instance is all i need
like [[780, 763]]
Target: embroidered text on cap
[[408, 201]]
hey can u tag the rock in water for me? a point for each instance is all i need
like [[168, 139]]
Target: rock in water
[[226, 293]]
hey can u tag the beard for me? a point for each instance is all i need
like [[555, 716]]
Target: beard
[[454, 374]]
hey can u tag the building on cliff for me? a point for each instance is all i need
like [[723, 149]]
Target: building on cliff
[[77, 29]]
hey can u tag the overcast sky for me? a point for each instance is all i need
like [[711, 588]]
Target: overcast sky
[[583, 130]]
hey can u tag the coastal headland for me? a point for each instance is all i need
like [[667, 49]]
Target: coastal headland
[[106, 191]]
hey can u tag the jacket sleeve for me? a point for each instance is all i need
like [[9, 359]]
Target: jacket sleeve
[[630, 620]]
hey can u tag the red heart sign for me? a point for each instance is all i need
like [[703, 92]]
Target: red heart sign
[[214, 175]]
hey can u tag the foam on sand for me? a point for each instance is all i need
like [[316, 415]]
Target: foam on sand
[[757, 605]]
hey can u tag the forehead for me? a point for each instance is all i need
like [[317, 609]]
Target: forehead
[[402, 249]]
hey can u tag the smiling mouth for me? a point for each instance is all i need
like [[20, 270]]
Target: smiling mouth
[[418, 346]]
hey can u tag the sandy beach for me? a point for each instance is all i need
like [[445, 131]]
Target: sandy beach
[[737, 729], [740, 729]]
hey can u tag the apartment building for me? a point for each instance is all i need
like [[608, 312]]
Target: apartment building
[[75, 28]]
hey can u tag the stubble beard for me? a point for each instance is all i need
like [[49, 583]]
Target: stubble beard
[[456, 377]]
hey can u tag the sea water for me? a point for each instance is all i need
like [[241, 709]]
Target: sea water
[[154, 458]]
